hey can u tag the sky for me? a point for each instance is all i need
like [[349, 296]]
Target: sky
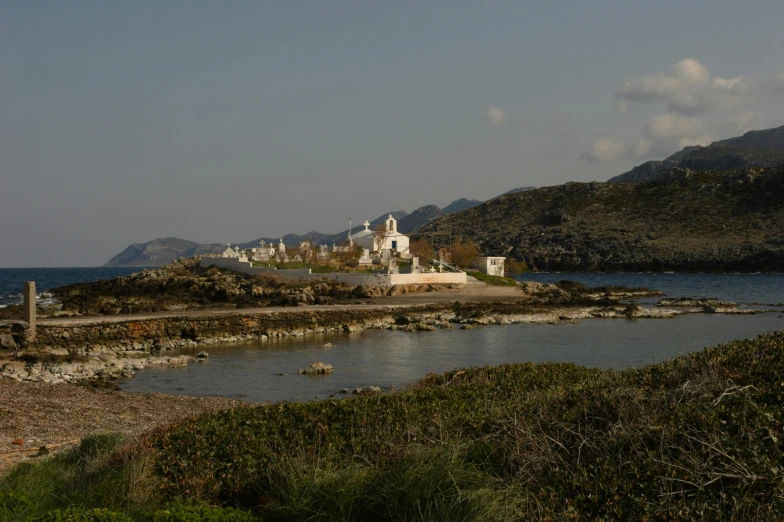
[[121, 122]]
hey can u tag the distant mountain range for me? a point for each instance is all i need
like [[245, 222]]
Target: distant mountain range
[[165, 250], [762, 148]]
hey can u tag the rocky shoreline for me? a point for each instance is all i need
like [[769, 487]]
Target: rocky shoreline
[[103, 351]]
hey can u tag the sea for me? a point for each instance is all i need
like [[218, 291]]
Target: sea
[[12, 279], [261, 371]]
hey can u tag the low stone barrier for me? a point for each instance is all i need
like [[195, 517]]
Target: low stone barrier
[[168, 332]]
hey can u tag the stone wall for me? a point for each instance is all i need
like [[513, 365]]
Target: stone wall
[[176, 332]]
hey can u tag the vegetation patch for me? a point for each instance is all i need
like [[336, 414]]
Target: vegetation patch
[[494, 280], [698, 437]]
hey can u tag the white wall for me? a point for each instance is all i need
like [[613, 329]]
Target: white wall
[[490, 265], [444, 278], [244, 267]]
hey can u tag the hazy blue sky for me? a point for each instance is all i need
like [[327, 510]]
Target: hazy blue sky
[[224, 121]]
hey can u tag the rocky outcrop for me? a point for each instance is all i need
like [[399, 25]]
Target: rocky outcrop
[[317, 368], [104, 367], [691, 301], [187, 285]]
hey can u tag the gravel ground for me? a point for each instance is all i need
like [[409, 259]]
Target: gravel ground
[[59, 415]]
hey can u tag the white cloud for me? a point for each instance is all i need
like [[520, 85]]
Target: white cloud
[[743, 120], [778, 84], [686, 87], [496, 115], [669, 132], [605, 149], [670, 125], [640, 150]]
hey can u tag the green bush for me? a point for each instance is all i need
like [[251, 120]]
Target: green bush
[[195, 511], [101, 472], [422, 486], [75, 514], [13, 505]]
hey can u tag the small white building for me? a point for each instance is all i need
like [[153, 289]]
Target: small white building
[[490, 265]]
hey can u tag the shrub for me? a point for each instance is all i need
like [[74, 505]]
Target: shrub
[[425, 485], [194, 511], [13, 505], [75, 514]]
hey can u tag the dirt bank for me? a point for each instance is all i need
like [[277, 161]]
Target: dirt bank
[[59, 415]]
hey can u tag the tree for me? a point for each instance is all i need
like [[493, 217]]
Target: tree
[[513, 267], [306, 251], [347, 255], [463, 253], [380, 235], [422, 249]]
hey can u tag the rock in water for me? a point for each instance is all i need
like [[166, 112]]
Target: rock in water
[[202, 355], [367, 390], [317, 368]]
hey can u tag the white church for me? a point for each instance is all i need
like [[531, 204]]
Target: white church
[[393, 241]]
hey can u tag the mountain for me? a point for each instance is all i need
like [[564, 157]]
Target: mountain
[[682, 220], [460, 205], [418, 218], [161, 251], [763, 148], [518, 189]]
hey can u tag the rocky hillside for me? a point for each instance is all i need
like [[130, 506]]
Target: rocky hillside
[[161, 251], [682, 220], [763, 148]]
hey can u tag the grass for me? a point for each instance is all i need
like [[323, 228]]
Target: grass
[[494, 280], [697, 437]]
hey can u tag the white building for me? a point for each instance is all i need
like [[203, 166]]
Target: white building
[[393, 240], [489, 265]]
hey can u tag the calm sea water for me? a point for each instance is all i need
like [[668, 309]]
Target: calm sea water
[[11, 279], [393, 359]]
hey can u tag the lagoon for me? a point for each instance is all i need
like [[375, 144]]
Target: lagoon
[[393, 359]]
